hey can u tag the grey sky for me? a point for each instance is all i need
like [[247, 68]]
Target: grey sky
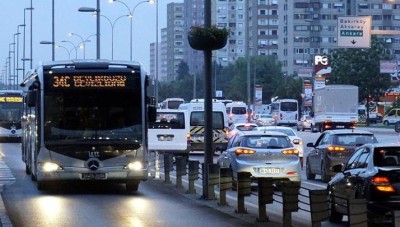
[[68, 19]]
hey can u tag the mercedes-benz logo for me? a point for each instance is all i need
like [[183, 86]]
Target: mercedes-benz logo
[[93, 165]]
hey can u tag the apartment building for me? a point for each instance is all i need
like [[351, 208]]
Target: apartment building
[[293, 30]]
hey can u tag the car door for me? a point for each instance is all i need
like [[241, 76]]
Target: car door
[[314, 156], [351, 182]]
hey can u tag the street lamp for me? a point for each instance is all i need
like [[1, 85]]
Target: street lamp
[[23, 47], [68, 51], [48, 43], [112, 24], [74, 46], [131, 16], [97, 10], [83, 43]]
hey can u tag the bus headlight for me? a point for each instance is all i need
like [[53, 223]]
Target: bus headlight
[[49, 167], [134, 166]]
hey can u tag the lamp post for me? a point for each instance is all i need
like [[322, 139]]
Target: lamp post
[[23, 46], [49, 43], [83, 43], [131, 16], [112, 24], [97, 10], [68, 51], [75, 47]]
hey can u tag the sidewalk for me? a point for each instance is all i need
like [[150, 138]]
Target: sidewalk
[[6, 177]]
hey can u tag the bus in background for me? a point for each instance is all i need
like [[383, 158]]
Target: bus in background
[[196, 113], [170, 132], [285, 111], [237, 112], [172, 103], [10, 114], [86, 120]]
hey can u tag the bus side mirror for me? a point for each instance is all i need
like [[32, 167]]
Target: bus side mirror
[[31, 98], [152, 114]]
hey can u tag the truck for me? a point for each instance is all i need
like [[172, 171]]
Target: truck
[[335, 107]]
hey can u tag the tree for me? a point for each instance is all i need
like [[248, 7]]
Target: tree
[[183, 70], [360, 67]]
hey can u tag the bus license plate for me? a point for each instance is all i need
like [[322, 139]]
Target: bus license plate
[[93, 176], [267, 170]]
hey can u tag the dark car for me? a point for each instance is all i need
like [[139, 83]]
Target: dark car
[[334, 147], [371, 173]]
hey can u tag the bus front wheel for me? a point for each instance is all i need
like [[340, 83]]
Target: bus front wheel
[[132, 185]]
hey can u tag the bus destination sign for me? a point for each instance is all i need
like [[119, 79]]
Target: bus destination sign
[[89, 81], [10, 99]]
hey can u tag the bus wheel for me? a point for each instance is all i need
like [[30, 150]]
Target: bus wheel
[[132, 185], [42, 185], [27, 170]]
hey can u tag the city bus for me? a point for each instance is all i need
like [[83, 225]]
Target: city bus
[[285, 111], [172, 103], [86, 120], [10, 114]]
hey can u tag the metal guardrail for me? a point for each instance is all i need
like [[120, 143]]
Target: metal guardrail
[[292, 196]]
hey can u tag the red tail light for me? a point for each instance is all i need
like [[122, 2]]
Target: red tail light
[[240, 151], [382, 184]]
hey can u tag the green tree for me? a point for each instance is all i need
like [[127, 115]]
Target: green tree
[[183, 70]]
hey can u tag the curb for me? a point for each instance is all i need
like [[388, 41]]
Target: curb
[[6, 178]]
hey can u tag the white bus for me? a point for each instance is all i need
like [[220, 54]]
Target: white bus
[[172, 103], [196, 113], [285, 111], [10, 114], [86, 120], [170, 132]]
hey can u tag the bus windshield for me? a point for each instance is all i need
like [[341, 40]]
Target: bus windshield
[[88, 116], [10, 111]]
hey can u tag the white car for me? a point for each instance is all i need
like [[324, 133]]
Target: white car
[[294, 138], [262, 154], [241, 127], [264, 119]]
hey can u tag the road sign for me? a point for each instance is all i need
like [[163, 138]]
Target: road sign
[[354, 32]]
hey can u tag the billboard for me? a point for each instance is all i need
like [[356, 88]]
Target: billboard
[[258, 96]]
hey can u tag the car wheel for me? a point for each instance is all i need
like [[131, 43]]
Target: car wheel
[[298, 129], [309, 175], [324, 176], [334, 216], [386, 123]]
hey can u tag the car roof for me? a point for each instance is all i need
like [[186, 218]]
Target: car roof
[[261, 133], [348, 131], [242, 124], [383, 144], [273, 127]]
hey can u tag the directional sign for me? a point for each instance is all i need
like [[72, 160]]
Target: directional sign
[[354, 32]]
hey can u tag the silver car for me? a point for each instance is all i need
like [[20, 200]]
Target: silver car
[[262, 154]]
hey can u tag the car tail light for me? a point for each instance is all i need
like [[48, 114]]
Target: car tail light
[[336, 148], [240, 151], [382, 184], [291, 151], [188, 138]]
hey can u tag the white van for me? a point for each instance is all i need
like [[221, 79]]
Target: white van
[[237, 112], [195, 111], [170, 132]]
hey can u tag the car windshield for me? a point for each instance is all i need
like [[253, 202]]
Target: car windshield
[[387, 156], [353, 139], [271, 142]]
